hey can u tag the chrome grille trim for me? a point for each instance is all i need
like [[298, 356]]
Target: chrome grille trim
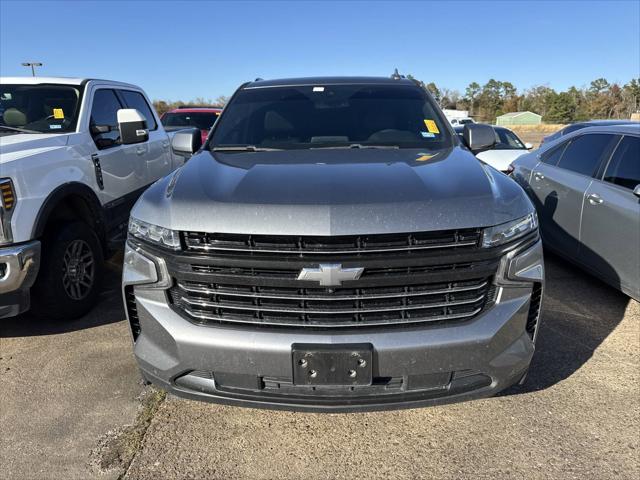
[[332, 311], [329, 297], [207, 248], [338, 324]]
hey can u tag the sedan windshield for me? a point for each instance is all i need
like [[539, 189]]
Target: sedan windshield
[[201, 120], [331, 116], [39, 108]]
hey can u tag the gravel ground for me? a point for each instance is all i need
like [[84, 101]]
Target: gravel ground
[[63, 387], [69, 406], [578, 416]]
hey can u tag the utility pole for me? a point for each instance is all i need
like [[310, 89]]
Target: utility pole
[[33, 66]]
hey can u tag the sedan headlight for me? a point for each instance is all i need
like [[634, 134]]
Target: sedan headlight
[[506, 232], [163, 237]]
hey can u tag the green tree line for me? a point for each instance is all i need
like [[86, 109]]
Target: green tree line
[[600, 100]]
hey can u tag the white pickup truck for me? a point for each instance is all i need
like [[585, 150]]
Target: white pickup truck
[[75, 154]]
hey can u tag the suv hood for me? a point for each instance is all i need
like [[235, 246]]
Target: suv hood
[[18, 145], [332, 192]]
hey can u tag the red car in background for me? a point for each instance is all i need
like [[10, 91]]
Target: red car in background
[[199, 117]]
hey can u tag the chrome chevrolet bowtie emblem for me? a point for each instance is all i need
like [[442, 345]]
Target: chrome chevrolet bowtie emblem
[[330, 274]]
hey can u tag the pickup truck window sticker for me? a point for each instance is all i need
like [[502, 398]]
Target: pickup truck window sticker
[[427, 134], [431, 126], [55, 127], [58, 113]]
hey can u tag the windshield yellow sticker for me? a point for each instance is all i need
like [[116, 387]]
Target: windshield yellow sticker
[[424, 157], [431, 126], [58, 113]]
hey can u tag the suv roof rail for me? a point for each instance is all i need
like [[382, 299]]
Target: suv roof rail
[[258, 79]]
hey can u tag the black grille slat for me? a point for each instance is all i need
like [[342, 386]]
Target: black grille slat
[[132, 311], [342, 244], [534, 309]]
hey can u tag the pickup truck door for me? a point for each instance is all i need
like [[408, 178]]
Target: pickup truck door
[[559, 183], [156, 151], [121, 170], [610, 236]]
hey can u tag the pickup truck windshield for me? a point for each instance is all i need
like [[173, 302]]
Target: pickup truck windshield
[[201, 120], [331, 116], [39, 108]]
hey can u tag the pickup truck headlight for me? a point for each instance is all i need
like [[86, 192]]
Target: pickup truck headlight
[[506, 232], [163, 237], [7, 205]]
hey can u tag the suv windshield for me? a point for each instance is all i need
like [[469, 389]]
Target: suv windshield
[[201, 120], [330, 116], [39, 108]]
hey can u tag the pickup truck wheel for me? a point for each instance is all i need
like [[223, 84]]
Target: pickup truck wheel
[[70, 273]]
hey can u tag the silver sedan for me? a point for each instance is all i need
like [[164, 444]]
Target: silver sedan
[[586, 189]]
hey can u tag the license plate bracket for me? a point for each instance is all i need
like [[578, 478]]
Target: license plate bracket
[[332, 365]]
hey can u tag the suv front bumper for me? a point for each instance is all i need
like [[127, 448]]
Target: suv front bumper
[[18, 270], [412, 365]]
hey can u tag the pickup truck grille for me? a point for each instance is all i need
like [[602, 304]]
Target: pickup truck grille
[[343, 244], [407, 279]]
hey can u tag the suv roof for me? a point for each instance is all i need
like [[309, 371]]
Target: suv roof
[[304, 81]]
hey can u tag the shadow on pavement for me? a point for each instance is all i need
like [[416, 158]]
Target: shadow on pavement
[[109, 309]]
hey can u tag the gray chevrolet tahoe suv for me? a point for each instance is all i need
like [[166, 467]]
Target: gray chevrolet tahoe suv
[[334, 246]]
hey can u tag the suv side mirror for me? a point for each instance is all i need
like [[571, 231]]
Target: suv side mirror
[[528, 146], [186, 142], [479, 137], [133, 126], [636, 191]]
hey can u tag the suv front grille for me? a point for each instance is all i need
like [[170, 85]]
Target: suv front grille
[[342, 244], [339, 307], [407, 279]]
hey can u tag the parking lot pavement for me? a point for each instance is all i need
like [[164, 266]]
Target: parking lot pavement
[[578, 416], [65, 387]]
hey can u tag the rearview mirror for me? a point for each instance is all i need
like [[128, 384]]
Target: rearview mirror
[[528, 146], [133, 126], [478, 136], [186, 142], [636, 191]]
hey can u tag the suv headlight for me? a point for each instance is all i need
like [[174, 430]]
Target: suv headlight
[[506, 232], [163, 237], [7, 205]]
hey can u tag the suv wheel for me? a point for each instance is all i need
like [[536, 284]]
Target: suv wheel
[[70, 273]]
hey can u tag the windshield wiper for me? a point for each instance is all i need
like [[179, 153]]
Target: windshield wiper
[[245, 148], [18, 129], [360, 145]]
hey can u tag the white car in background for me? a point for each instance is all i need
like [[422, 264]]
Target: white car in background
[[461, 121], [507, 148]]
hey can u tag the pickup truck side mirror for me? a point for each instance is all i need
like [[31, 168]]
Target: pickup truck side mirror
[[133, 126], [186, 142], [479, 137], [528, 146], [636, 191]]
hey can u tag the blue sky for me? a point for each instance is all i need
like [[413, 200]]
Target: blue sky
[[182, 50]]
